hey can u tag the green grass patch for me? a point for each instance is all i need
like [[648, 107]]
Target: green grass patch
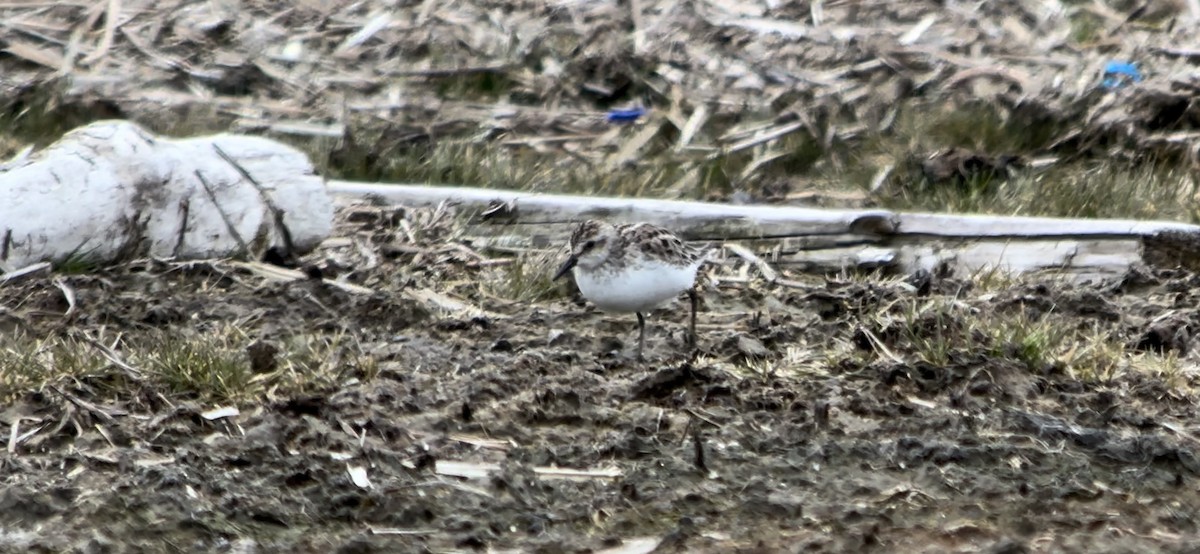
[[211, 365], [482, 85], [206, 364], [1096, 189], [1086, 27], [29, 363], [490, 164], [1036, 342], [974, 125], [526, 278], [943, 331], [215, 364], [79, 262]]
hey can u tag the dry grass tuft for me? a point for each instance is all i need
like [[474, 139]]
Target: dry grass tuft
[[526, 278], [211, 365]]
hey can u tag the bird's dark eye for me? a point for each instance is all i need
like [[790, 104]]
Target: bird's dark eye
[[589, 244]]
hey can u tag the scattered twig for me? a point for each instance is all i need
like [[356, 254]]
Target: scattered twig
[[693, 125], [493, 444], [763, 267], [103, 414], [393, 531], [111, 16], [13, 276], [880, 178], [696, 413], [883, 349], [448, 304], [220, 413], [1179, 431], [276, 273], [35, 54], [104, 433], [111, 355], [68, 293], [368, 30], [482, 470], [12, 435], [212, 195], [276, 212], [772, 135], [432, 72], [159, 59]]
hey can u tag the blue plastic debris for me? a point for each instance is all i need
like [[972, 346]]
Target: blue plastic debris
[[1118, 74], [625, 115]]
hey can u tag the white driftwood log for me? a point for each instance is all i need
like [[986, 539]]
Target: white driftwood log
[[111, 190], [696, 220], [812, 239]]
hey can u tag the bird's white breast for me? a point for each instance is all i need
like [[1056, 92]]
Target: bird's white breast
[[638, 287]]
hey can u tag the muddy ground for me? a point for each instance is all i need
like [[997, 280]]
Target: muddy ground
[[855, 414], [789, 431]]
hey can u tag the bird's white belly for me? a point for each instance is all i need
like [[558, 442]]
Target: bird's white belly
[[636, 288]]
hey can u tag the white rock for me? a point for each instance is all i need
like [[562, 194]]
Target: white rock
[[111, 190]]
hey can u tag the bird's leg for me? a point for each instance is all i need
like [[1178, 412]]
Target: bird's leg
[[641, 334], [692, 325]]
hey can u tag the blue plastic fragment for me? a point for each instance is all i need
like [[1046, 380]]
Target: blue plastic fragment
[[625, 115], [1118, 74]]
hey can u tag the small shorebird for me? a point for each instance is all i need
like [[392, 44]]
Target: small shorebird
[[633, 268]]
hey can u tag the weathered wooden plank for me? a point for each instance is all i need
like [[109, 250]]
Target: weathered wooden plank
[[554, 235], [979, 226], [1077, 259], [694, 220], [729, 222], [1099, 255], [817, 239], [835, 259]]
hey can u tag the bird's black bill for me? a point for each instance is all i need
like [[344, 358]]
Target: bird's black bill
[[565, 267]]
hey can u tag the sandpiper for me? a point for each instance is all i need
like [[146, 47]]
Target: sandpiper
[[633, 268]]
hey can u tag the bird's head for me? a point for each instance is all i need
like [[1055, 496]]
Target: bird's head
[[591, 244]]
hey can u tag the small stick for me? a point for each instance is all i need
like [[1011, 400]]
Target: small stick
[[276, 212], [693, 297], [224, 216], [641, 335]]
